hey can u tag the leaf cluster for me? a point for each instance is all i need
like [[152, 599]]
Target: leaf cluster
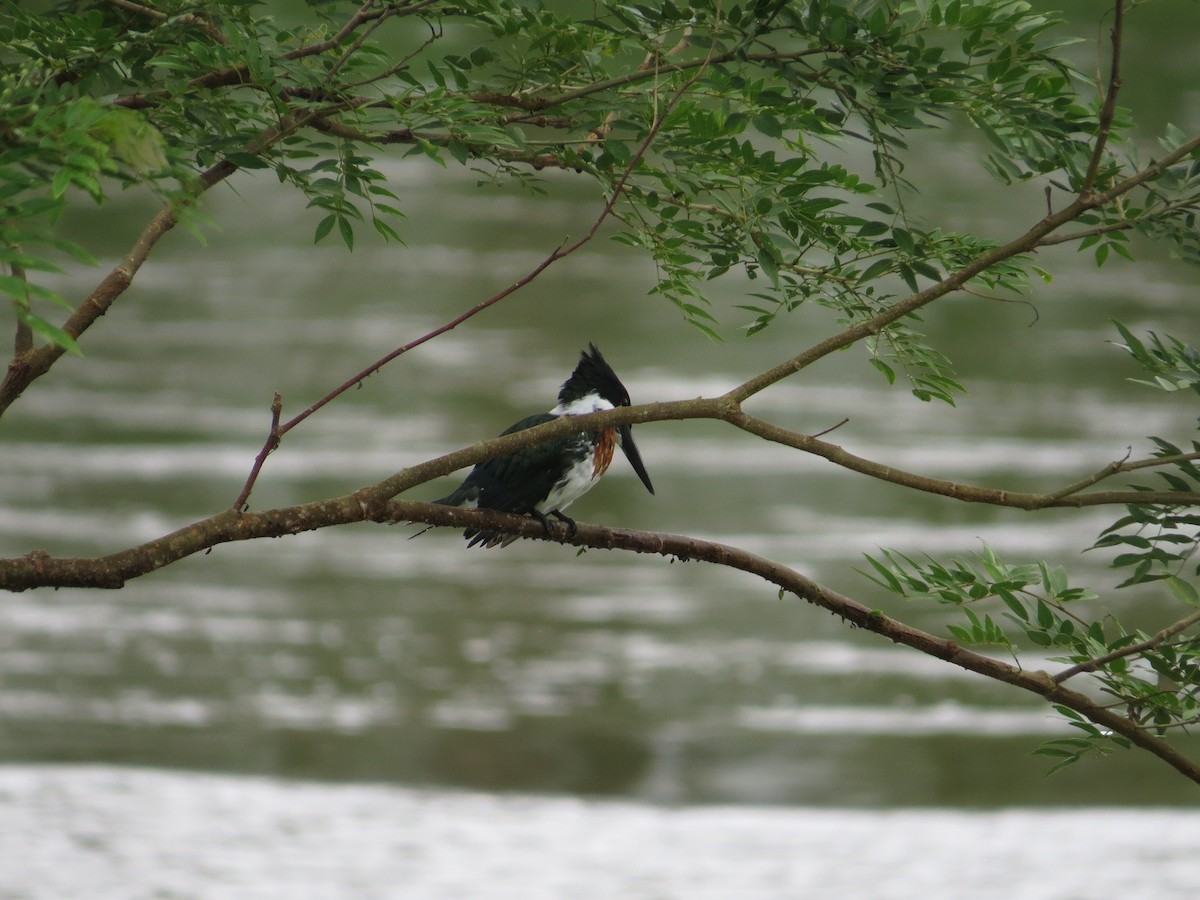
[[1157, 541], [747, 176], [1155, 679], [1032, 598]]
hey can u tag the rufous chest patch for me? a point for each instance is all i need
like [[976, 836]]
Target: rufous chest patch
[[605, 446]]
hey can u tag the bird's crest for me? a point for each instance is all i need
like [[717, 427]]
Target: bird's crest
[[593, 375]]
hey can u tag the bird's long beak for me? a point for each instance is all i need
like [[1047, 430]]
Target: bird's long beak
[[635, 458]]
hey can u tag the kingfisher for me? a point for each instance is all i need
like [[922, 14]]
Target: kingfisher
[[543, 480]]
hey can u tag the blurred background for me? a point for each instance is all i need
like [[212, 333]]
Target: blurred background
[[357, 654]]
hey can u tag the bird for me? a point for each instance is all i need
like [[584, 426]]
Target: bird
[[545, 479]]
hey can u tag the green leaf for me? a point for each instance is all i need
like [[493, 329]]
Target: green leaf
[[51, 333], [1184, 591], [876, 269], [889, 579], [888, 372], [60, 182], [323, 228], [1015, 605], [768, 125]]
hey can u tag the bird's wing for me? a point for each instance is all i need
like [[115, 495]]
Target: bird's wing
[[516, 482]]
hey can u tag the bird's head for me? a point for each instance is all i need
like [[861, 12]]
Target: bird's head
[[594, 386]]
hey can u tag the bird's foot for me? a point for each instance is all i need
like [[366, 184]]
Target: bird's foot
[[572, 527], [541, 517]]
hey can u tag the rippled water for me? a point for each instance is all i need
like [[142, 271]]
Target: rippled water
[[356, 654]]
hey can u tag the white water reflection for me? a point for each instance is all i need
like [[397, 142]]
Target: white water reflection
[[133, 834]]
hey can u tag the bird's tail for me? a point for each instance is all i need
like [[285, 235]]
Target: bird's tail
[[464, 493], [468, 495]]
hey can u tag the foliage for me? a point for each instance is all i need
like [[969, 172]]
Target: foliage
[[1156, 678], [761, 140], [749, 172]]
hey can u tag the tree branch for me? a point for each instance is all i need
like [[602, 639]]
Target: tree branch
[[32, 365], [37, 569], [1108, 110], [274, 436], [35, 363], [1066, 497], [1027, 242]]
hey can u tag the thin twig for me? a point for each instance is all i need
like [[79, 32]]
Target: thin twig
[[957, 490], [23, 339], [1108, 110], [1150, 214], [273, 438], [187, 19], [833, 427], [1119, 465], [1132, 650]]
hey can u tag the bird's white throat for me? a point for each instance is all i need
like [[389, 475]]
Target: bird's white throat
[[589, 403]]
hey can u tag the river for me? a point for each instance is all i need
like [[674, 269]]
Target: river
[[368, 693]]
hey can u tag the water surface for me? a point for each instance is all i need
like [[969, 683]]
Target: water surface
[[357, 653]]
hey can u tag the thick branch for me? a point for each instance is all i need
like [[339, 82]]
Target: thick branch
[[38, 569]]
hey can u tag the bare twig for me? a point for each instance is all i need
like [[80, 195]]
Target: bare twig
[[833, 427], [1108, 110], [1117, 465], [273, 437]]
